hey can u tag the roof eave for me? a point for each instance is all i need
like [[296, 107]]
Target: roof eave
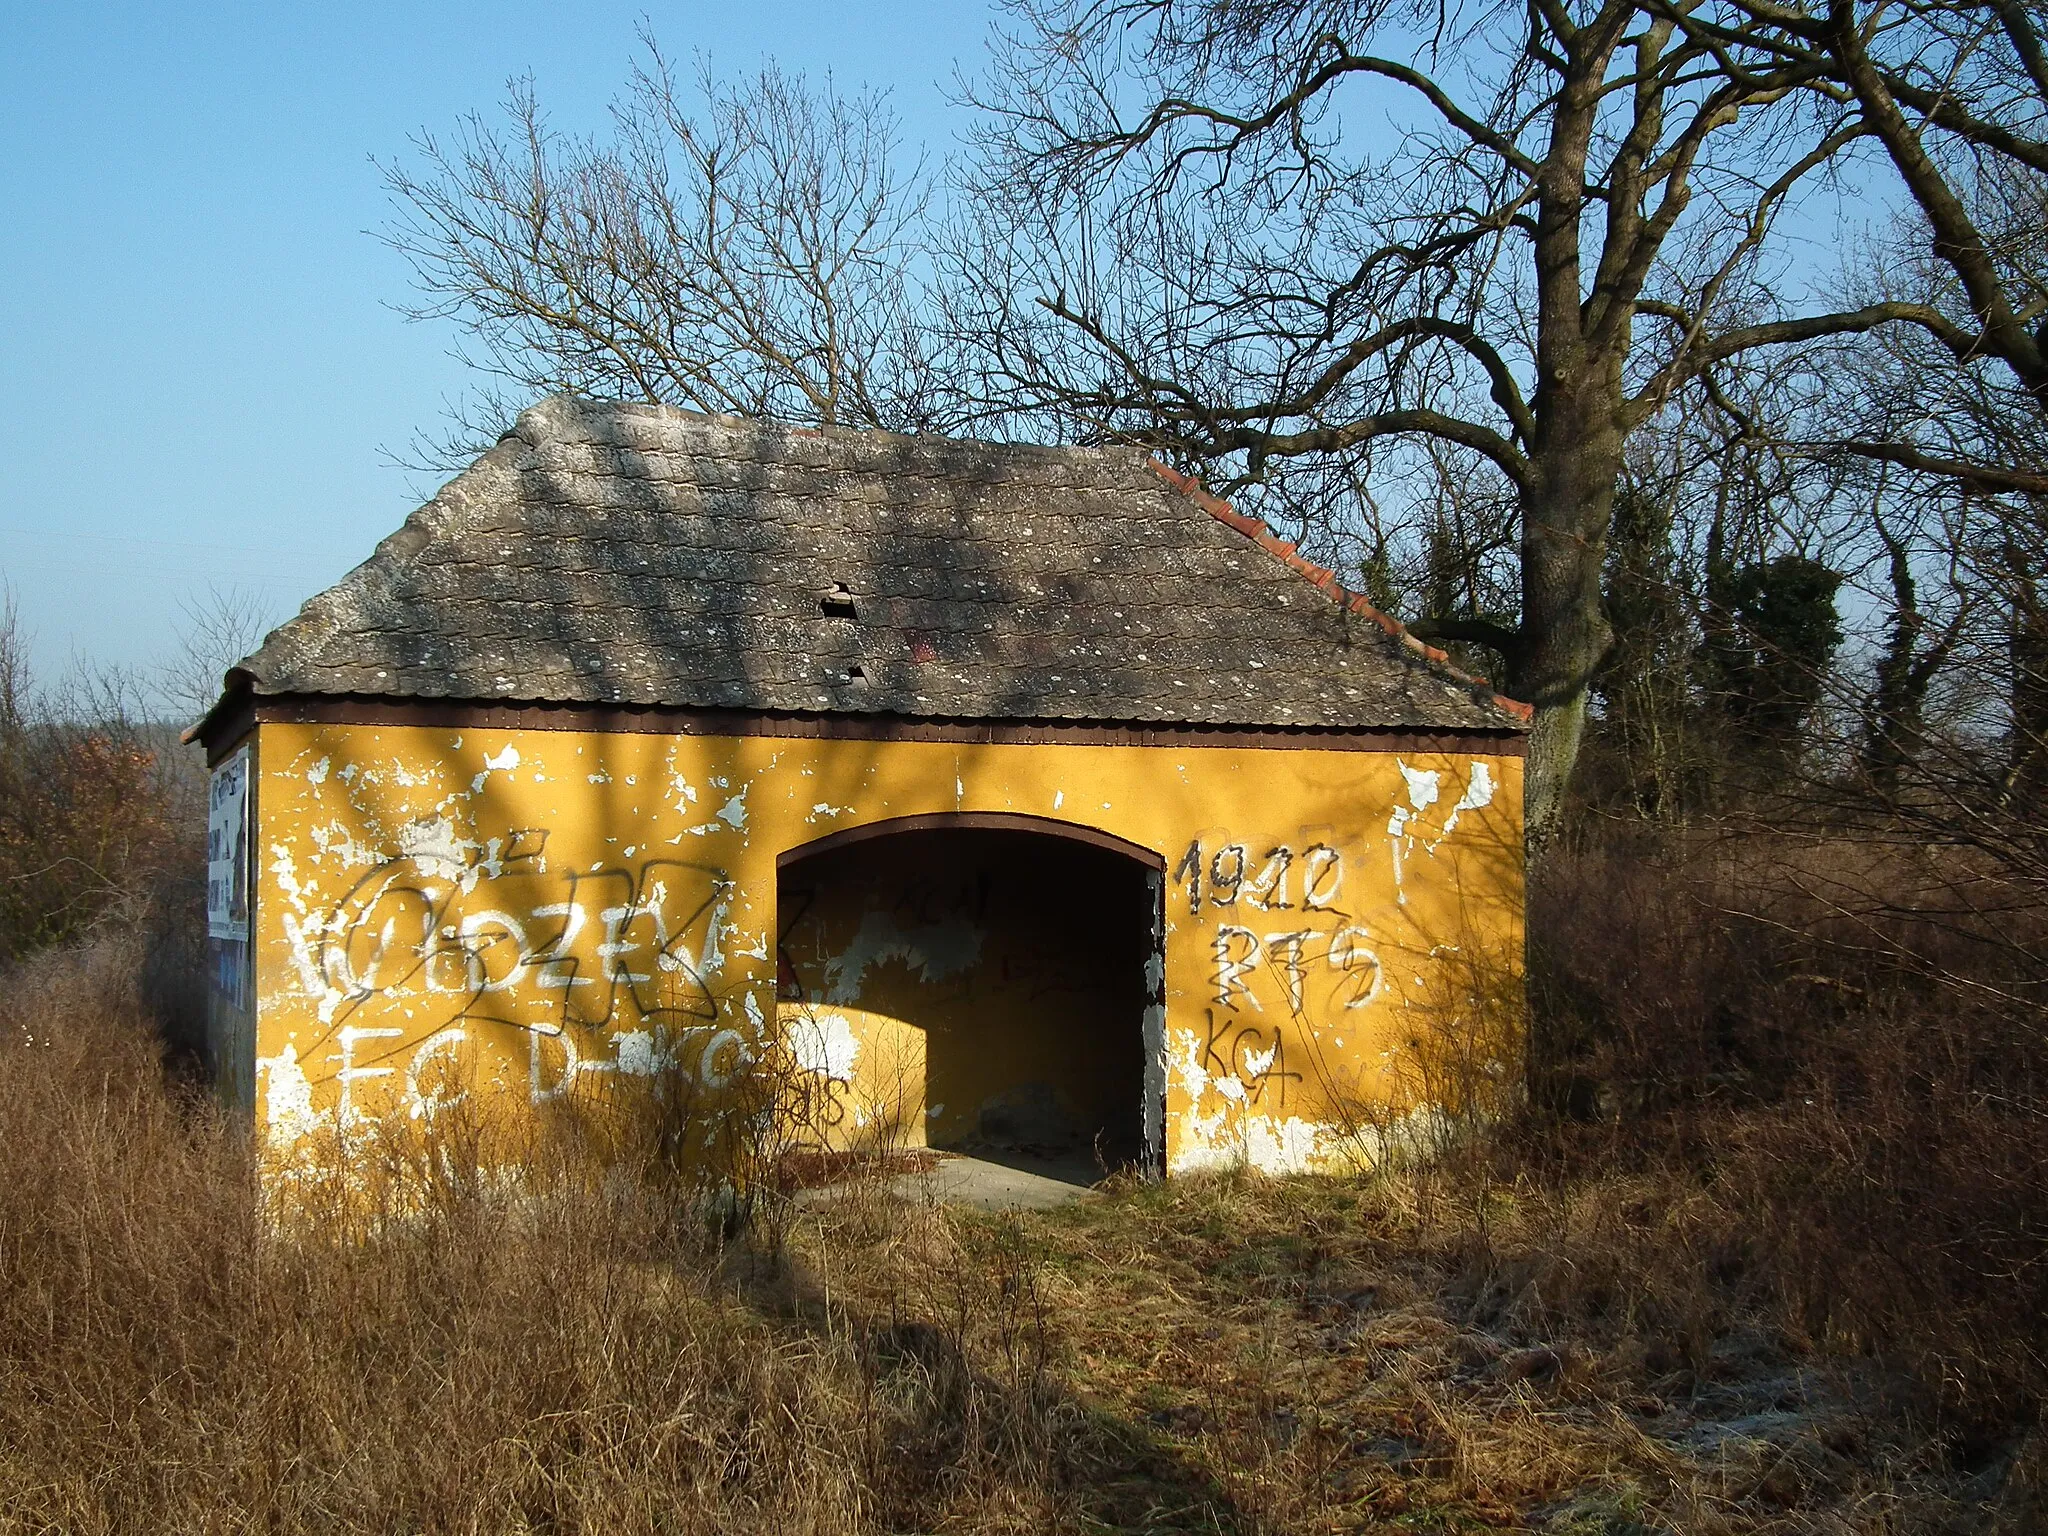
[[237, 685]]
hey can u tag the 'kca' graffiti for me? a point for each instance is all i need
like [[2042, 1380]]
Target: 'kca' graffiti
[[1245, 1061], [470, 934]]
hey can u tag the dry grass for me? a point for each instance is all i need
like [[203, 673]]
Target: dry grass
[[1840, 1047], [582, 1358], [1775, 1270], [1334, 1355]]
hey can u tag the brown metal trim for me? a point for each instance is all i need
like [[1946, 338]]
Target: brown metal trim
[[359, 709], [975, 821]]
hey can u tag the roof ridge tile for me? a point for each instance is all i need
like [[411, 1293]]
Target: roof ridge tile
[[1326, 581]]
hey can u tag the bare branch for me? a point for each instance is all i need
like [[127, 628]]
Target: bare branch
[[1981, 477]]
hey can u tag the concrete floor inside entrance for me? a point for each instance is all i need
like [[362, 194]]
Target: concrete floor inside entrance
[[1009, 1183]]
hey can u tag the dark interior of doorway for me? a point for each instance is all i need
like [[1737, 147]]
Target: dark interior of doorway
[[1021, 957]]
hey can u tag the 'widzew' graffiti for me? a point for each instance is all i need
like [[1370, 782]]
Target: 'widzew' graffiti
[[492, 936]]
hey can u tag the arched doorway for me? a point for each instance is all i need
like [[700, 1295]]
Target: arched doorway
[[1010, 963]]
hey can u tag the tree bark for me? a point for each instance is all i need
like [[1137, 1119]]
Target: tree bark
[[1564, 631], [1574, 453]]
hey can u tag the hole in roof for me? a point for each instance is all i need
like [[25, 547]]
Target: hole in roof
[[837, 603], [856, 675]]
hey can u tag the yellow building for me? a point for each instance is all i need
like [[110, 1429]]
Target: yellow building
[[1008, 797]]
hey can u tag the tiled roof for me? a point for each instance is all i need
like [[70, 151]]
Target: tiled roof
[[641, 555]]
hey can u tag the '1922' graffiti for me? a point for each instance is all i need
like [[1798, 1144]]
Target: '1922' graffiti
[[1229, 877], [1280, 880]]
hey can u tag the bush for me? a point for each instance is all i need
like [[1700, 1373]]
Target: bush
[[1828, 1051]]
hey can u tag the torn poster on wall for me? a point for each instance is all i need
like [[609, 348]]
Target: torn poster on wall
[[227, 849]]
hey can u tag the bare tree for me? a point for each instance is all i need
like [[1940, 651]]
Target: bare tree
[[1937, 551], [219, 630], [1956, 95], [754, 253], [1953, 398], [1292, 240], [88, 817]]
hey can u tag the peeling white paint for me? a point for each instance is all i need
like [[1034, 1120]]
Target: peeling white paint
[[1424, 785], [935, 951], [1153, 1033], [1423, 789], [824, 1044], [502, 762], [1478, 795], [1292, 1145], [287, 1097], [636, 1053], [337, 841], [1185, 1059], [282, 866], [435, 848]]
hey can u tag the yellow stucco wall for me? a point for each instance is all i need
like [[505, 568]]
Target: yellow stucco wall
[[517, 916]]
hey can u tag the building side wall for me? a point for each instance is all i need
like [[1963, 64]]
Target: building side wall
[[231, 1016], [531, 916]]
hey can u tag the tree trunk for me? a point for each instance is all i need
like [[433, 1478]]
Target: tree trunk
[[1564, 631], [2027, 642]]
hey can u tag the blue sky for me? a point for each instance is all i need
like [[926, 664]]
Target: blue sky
[[200, 371]]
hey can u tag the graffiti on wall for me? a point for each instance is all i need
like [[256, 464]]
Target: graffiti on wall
[[1290, 958], [1280, 943], [845, 1081], [606, 968]]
